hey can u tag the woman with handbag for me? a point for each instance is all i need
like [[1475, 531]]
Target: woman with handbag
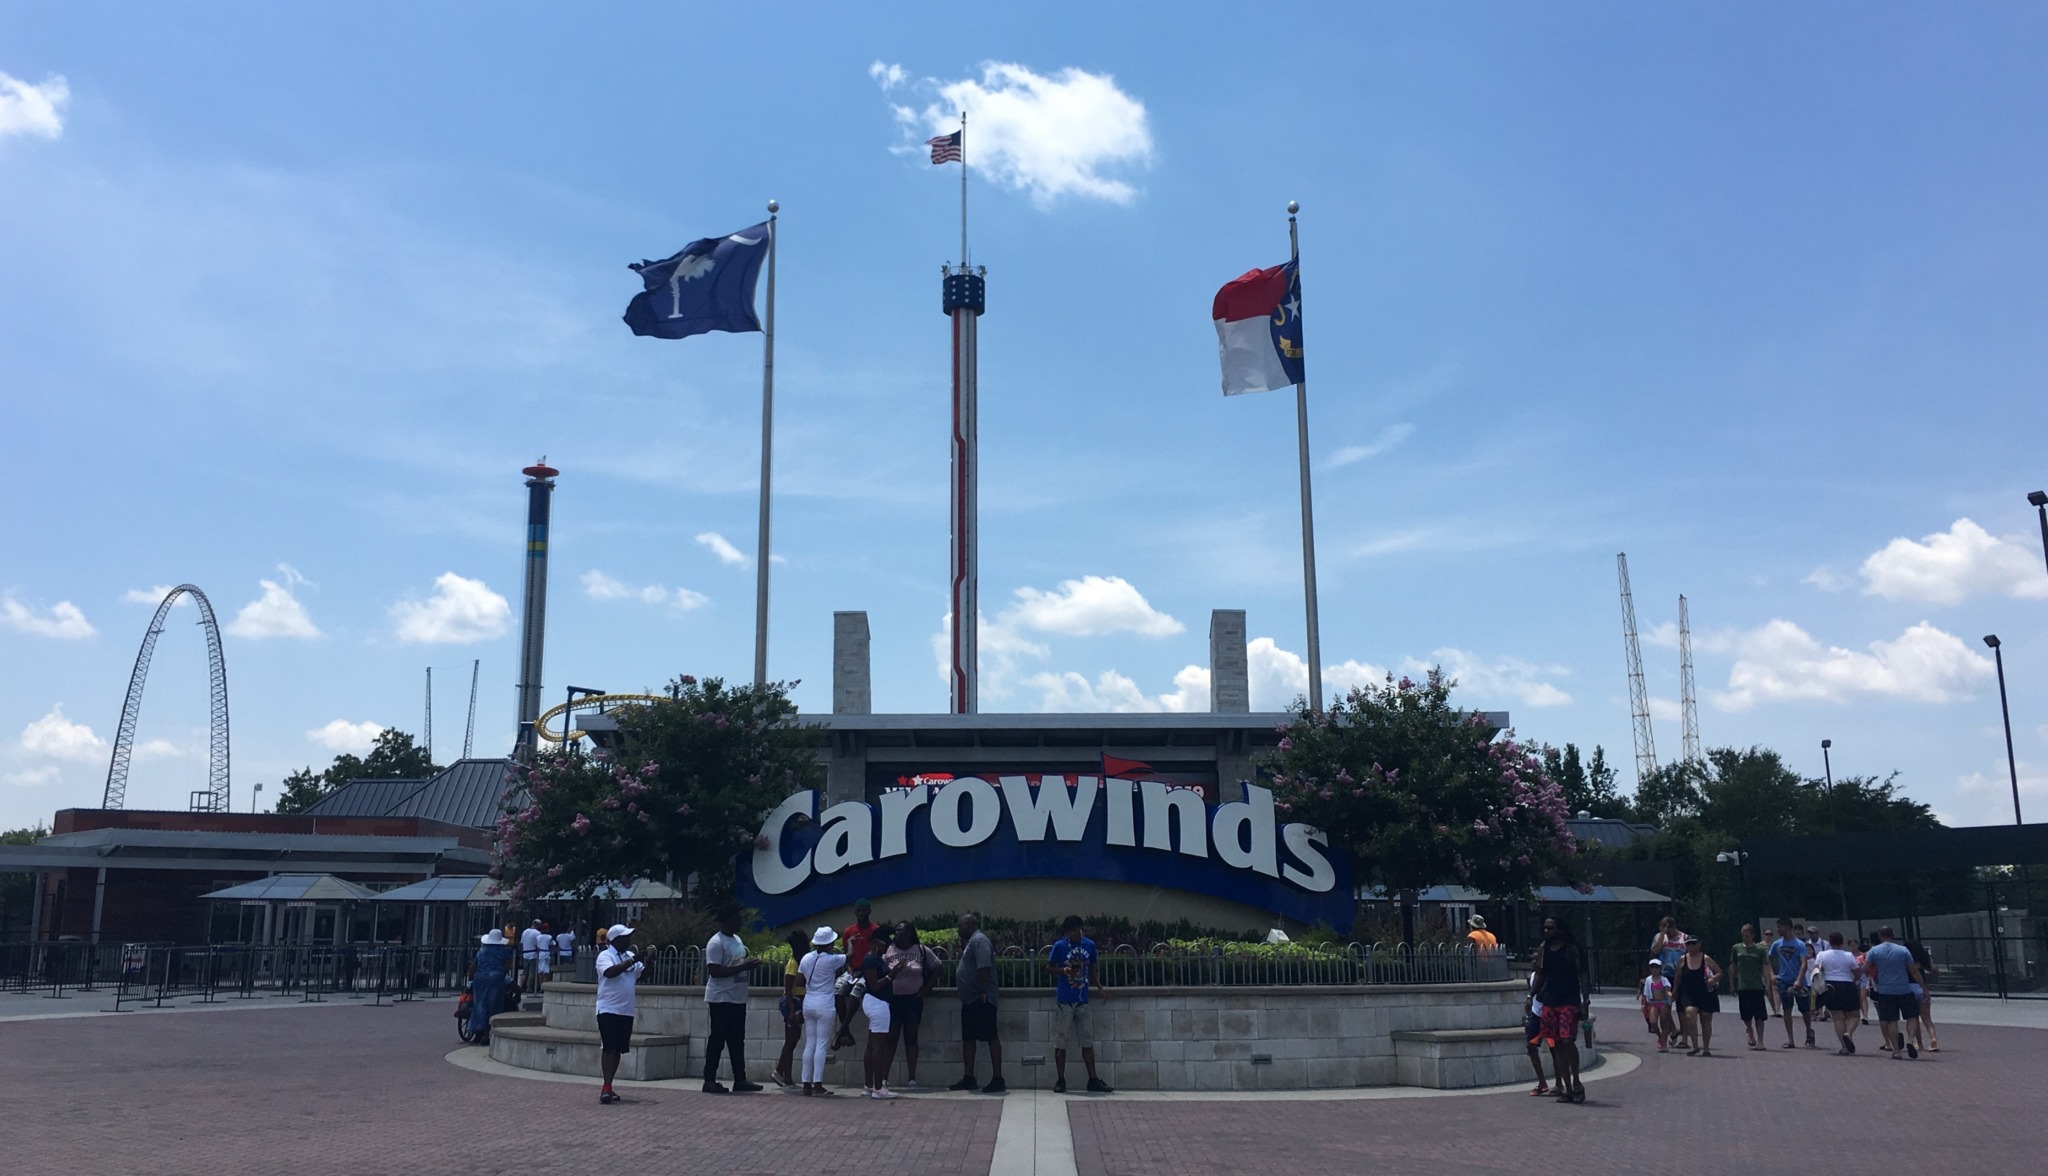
[[919, 971], [1837, 992], [1698, 977]]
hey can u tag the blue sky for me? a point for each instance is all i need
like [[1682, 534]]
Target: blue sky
[[287, 298]]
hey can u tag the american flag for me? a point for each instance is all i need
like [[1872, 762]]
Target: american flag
[[947, 148]]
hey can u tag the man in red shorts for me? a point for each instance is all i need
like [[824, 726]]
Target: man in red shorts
[[1563, 986]]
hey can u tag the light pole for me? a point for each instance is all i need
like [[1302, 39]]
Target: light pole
[[2011, 765], [254, 797], [1827, 766], [2039, 499]]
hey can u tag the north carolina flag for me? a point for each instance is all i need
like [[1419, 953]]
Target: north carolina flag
[[1258, 328]]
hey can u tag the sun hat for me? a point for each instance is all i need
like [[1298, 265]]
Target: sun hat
[[1476, 923], [619, 931], [494, 937], [823, 937]]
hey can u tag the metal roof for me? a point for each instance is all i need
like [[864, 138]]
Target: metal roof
[[1607, 831], [294, 888], [189, 849], [454, 888], [467, 792]]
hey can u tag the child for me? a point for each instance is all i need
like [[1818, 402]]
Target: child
[[1534, 1031], [1655, 997]]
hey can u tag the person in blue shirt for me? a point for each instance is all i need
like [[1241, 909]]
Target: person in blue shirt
[[1893, 974], [1788, 958], [1072, 961]]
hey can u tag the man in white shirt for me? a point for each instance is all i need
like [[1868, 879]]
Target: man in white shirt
[[565, 950], [529, 957], [618, 977], [726, 963]]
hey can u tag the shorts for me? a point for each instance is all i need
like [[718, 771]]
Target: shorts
[[978, 1021], [615, 1030], [843, 986], [877, 1010], [1842, 998], [1072, 1024], [1560, 1025], [907, 1011], [1751, 1002], [1795, 1000], [544, 966], [1710, 1003], [1896, 1006], [1532, 1028]]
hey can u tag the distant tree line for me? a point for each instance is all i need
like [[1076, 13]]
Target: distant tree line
[[394, 756]]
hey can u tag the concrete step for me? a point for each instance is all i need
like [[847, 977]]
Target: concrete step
[[568, 1051], [518, 1020]]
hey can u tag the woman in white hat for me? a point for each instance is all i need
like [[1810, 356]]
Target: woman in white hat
[[820, 968], [487, 984]]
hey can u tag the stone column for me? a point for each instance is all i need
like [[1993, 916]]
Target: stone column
[[852, 689], [1229, 675]]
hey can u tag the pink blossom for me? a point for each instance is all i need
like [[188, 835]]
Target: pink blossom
[[581, 824], [1287, 745], [554, 871]]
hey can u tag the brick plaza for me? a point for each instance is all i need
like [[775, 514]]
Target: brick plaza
[[358, 1089]]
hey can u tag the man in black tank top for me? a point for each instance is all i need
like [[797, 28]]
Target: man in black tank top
[[1562, 986]]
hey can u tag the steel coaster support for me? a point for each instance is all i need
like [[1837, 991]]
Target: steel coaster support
[[116, 793]]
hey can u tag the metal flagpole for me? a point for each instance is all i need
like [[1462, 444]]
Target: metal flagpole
[[767, 462], [1308, 520], [963, 189]]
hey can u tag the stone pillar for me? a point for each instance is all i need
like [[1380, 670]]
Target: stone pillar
[[1229, 676], [852, 689]]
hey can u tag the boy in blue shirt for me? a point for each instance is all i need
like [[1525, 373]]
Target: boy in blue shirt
[[1073, 967], [1788, 957], [1894, 975]]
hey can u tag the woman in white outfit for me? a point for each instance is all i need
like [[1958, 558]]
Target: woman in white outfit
[[820, 969]]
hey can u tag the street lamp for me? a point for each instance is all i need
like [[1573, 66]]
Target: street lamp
[[1834, 825], [2039, 499], [2011, 765], [254, 797]]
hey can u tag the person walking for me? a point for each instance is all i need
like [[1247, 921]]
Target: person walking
[[1838, 992], [906, 1012], [1667, 945], [818, 971], [1695, 992], [1929, 973], [1750, 960], [1563, 985], [1072, 961], [978, 999], [1655, 996], [1789, 957], [529, 957], [544, 958], [857, 934], [619, 969], [877, 985], [488, 982], [791, 1006], [1479, 937], [1893, 975], [1770, 983], [1532, 1029], [726, 963]]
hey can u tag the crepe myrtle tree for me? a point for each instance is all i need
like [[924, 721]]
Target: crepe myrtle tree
[[683, 793], [1422, 795]]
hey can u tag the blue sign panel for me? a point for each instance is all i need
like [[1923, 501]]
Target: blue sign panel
[[968, 829]]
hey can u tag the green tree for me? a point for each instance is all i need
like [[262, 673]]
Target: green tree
[[681, 795], [394, 756], [1588, 788], [1420, 794], [18, 891]]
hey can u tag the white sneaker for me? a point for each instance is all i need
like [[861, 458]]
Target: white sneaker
[[884, 1092], [911, 1085]]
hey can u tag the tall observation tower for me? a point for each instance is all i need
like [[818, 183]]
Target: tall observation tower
[[540, 493], [965, 291]]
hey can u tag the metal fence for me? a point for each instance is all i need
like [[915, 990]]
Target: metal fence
[[1126, 967], [157, 972]]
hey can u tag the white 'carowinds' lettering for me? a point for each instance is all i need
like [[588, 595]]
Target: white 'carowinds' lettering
[[965, 812]]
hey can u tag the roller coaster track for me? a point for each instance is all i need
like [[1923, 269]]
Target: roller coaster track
[[131, 710], [587, 702]]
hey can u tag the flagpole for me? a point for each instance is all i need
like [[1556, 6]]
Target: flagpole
[[1308, 520], [767, 463], [963, 189]]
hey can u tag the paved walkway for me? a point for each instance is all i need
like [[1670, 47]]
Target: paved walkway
[[351, 1088]]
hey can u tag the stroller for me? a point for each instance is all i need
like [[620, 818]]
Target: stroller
[[465, 1007]]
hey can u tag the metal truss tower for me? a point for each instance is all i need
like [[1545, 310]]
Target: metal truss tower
[[1688, 697], [469, 728], [216, 794], [429, 736], [1638, 694]]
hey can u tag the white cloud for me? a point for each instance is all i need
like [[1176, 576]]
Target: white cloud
[[1948, 566], [1389, 437], [599, 586], [33, 108], [276, 613], [156, 749], [31, 777], [887, 76], [1502, 677], [1090, 607], [1826, 579], [60, 738], [1114, 693], [153, 596], [340, 735], [1049, 136], [1780, 662], [1666, 710], [722, 547], [1280, 676], [63, 620], [461, 610]]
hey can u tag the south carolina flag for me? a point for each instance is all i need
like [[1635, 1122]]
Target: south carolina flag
[[1258, 327]]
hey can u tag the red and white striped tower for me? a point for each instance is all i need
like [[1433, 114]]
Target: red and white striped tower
[[964, 297]]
